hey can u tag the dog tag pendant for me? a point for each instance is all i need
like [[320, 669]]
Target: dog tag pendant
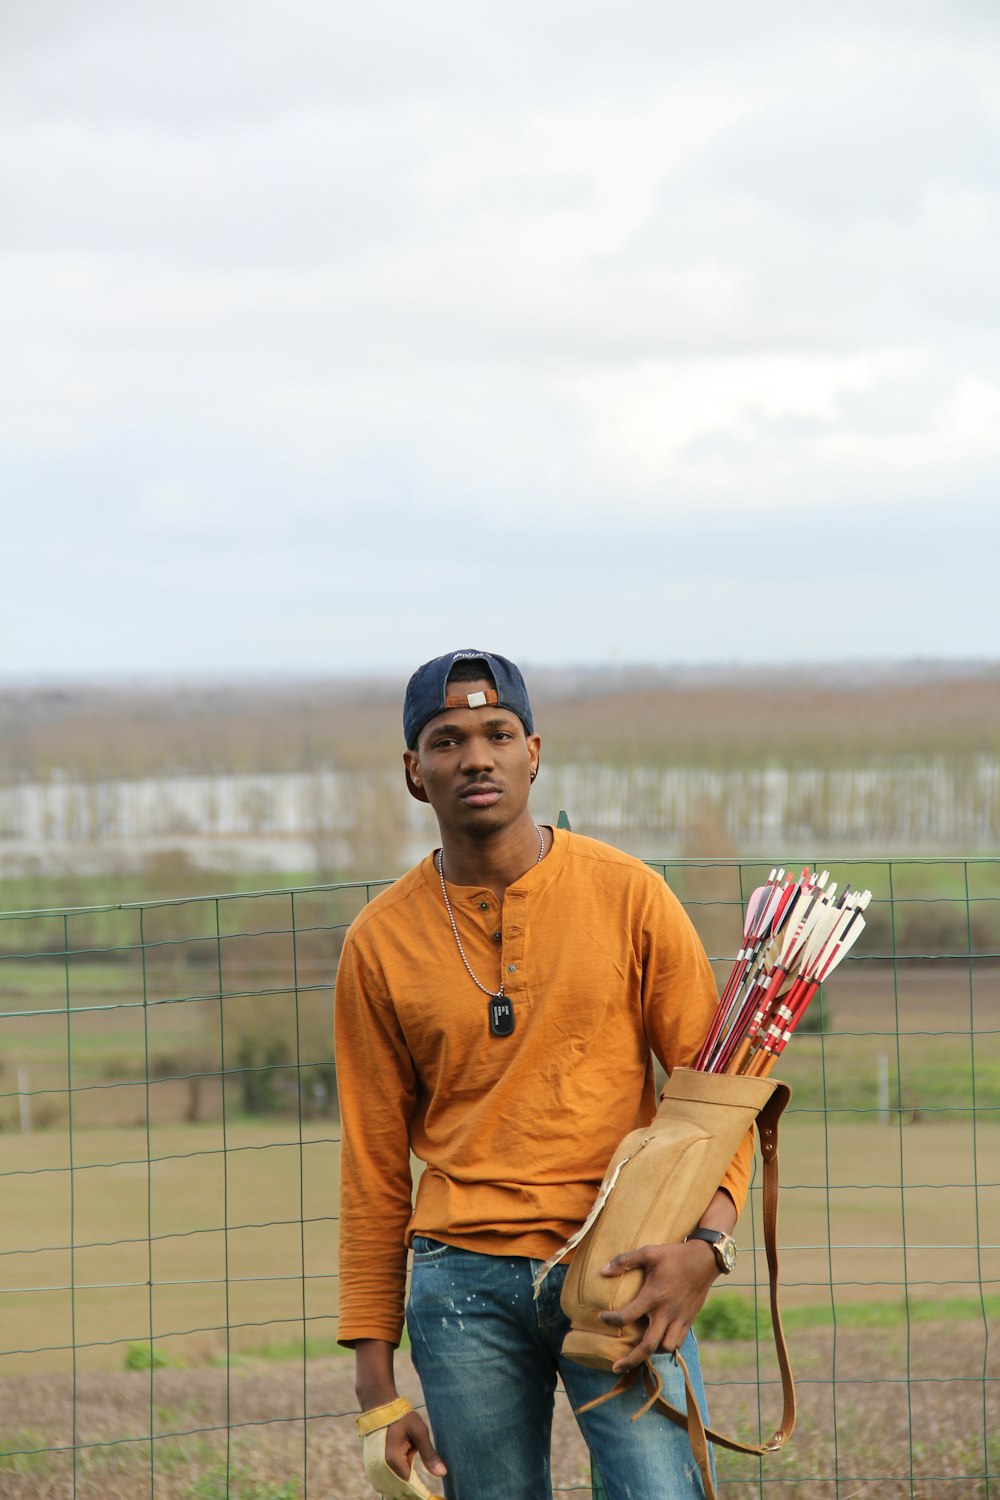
[[501, 1016]]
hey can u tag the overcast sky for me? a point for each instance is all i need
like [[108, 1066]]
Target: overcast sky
[[335, 336]]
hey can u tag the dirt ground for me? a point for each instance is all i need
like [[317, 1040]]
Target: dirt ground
[[882, 1436]]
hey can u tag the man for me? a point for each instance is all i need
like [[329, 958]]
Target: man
[[497, 1013]]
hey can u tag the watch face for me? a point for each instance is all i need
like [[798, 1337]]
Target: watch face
[[728, 1249]]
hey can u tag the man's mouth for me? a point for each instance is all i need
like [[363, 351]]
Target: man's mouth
[[482, 794]]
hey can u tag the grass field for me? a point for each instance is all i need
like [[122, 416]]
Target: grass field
[[152, 1228], [181, 1234], [921, 906], [875, 1222], [859, 1419], [936, 1024], [188, 1231]]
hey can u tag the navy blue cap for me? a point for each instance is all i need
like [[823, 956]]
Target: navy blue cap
[[426, 693]]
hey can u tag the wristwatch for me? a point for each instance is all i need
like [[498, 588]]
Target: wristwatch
[[723, 1244]]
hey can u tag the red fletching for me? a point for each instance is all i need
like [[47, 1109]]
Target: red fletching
[[794, 936]]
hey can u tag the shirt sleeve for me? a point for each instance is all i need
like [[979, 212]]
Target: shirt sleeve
[[679, 999], [377, 1088]]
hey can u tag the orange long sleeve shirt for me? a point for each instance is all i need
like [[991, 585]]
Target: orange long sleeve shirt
[[603, 968]]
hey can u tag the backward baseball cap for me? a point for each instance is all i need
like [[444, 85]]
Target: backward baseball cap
[[427, 694]]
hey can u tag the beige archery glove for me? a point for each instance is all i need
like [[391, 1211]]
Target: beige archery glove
[[371, 1427]]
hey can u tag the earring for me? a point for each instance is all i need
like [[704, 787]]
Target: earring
[[533, 775]]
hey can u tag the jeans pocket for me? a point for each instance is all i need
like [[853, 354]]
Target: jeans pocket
[[425, 1249]]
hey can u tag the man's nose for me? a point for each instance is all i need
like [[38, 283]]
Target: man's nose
[[477, 753]]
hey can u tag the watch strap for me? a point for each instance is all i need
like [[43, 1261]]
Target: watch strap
[[717, 1238]]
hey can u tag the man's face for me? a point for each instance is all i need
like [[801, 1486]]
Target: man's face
[[474, 764]]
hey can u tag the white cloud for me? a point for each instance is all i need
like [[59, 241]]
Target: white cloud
[[397, 292], [964, 430], [729, 430]]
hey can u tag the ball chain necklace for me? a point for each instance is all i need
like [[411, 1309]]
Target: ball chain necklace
[[501, 1009]]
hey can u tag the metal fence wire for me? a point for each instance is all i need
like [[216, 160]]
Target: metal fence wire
[[168, 1192]]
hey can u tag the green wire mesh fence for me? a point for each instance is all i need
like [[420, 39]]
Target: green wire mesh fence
[[168, 1192]]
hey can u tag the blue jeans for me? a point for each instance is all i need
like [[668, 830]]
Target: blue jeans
[[488, 1356]]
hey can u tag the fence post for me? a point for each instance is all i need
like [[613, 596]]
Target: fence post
[[882, 1088], [23, 1099]]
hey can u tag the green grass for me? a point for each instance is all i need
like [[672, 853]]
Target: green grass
[[933, 1076], [142, 1357], [16, 1456], [727, 1316], [286, 1351], [131, 1222], [162, 881], [219, 1484], [895, 1314], [87, 1017], [930, 1020], [192, 1461], [840, 1186]]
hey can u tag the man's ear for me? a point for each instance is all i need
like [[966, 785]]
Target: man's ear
[[534, 753], [411, 768]]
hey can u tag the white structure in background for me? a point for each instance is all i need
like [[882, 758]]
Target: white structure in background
[[320, 819]]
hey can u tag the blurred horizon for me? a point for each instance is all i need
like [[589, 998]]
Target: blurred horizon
[[170, 783], [580, 671]]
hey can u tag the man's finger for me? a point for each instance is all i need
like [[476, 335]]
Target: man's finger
[[430, 1457], [673, 1336], [643, 1304], [405, 1438], [629, 1260], [647, 1346], [384, 1477]]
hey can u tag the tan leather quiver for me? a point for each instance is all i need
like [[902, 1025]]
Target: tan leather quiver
[[658, 1184]]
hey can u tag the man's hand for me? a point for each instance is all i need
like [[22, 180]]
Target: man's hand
[[408, 1439], [676, 1283]]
